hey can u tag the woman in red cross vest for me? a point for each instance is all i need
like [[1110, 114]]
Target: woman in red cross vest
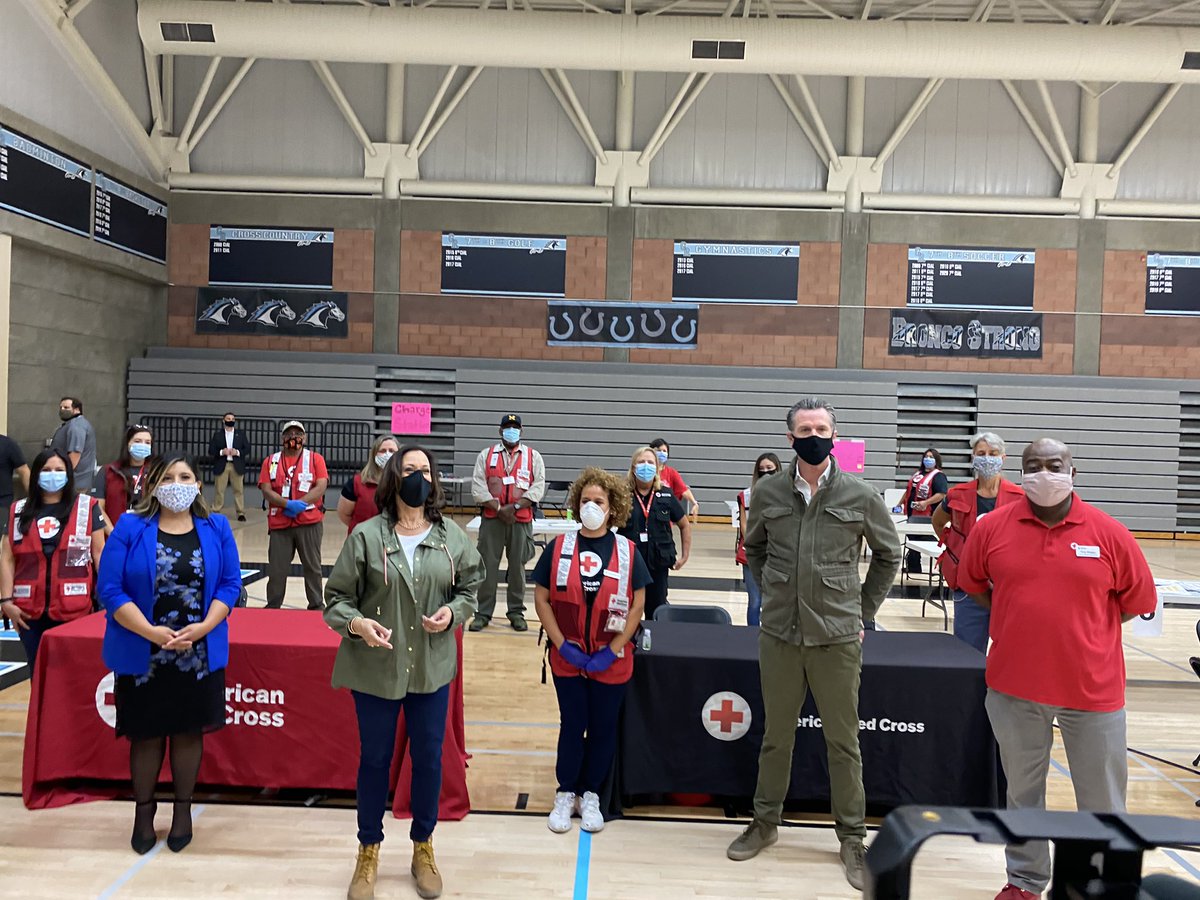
[[926, 488], [356, 503], [590, 587], [48, 559]]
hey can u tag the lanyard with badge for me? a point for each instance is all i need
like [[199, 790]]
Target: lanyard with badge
[[644, 534], [135, 492], [79, 544]]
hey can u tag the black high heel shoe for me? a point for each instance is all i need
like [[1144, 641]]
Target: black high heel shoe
[[176, 842], [142, 843]]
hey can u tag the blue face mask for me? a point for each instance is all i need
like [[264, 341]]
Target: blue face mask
[[52, 482], [511, 435], [645, 472], [139, 451], [662, 457], [929, 462]]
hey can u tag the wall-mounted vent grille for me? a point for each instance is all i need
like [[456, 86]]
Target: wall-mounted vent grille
[[198, 32], [1191, 60], [718, 49]]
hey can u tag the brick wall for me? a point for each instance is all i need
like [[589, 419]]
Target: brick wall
[[1053, 295], [353, 271], [1133, 344], [495, 327]]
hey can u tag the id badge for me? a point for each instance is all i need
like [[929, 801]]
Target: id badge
[[79, 550], [305, 485], [644, 537], [616, 624], [508, 479]]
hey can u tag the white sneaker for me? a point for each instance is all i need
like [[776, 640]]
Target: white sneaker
[[589, 811], [560, 817]]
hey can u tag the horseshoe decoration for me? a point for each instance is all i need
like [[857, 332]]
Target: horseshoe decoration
[[662, 325], [675, 331], [583, 326], [554, 331], [613, 329]]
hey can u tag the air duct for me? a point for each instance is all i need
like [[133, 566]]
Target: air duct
[[899, 49]]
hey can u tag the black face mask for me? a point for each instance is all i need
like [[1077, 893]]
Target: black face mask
[[230, 424], [813, 449], [415, 489]]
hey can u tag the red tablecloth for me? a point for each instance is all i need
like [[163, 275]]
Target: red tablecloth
[[285, 726]]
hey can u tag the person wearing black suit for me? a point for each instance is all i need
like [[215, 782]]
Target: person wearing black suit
[[229, 450]]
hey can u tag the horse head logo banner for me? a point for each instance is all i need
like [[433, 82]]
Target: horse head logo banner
[[580, 323], [273, 311]]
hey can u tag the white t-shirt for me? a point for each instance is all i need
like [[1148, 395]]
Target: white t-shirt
[[228, 438], [409, 543]]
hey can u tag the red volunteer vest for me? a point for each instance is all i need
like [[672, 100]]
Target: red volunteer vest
[[71, 587], [743, 500], [364, 503], [963, 502], [293, 488], [570, 606], [509, 485], [920, 487]]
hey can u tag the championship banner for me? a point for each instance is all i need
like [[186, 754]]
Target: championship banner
[[978, 334], [240, 310], [580, 323]]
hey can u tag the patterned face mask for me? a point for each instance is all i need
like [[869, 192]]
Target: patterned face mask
[[177, 496]]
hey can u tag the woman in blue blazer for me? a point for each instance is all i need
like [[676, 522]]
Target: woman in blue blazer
[[169, 576]]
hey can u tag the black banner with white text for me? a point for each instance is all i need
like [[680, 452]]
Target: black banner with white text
[[978, 333]]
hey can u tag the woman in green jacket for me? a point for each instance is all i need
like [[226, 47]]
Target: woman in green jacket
[[403, 583]]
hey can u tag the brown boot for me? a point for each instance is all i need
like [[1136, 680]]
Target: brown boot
[[362, 885], [424, 869]]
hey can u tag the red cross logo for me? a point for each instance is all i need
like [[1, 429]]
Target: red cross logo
[[106, 701], [726, 716], [589, 564], [47, 527]]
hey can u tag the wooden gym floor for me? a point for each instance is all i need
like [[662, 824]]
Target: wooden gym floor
[[243, 849]]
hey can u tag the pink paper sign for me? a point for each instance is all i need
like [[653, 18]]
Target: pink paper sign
[[851, 456], [411, 418]]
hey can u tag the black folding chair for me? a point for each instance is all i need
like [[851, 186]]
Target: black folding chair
[[703, 615]]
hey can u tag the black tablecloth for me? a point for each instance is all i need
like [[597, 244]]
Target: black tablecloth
[[925, 735]]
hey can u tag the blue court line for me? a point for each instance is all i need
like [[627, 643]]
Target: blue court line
[[1191, 870], [128, 874], [583, 863], [1062, 770]]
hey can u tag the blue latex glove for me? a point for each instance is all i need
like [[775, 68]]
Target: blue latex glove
[[574, 655], [293, 508], [601, 660]]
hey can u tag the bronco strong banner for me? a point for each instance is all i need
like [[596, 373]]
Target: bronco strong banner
[[245, 310], [965, 333]]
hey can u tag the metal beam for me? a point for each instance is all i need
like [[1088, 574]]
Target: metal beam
[[168, 94], [920, 7], [1161, 12], [626, 82], [556, 90], [866, 9], [902, 127], [219, 105], [431, 111], [790, 102], [449, 110], [814, 114], [825, 11], [666, 7], [1105, 13], [76, 7], [394, 115], [688, 81], [856, 99], [701, 84], [1070, 20], [592, 140], [194, 113], [343, 105], [1027, 115], [1060, 137], [154, 88], [97, 80], [592, 7], [1089, 127], [1151, 117]]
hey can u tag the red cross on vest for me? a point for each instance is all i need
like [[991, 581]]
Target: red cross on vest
[[727, 716], [48, 527], [589, 564]]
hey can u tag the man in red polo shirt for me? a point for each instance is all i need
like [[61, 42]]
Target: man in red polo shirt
[[1060, 577], [293, 482]]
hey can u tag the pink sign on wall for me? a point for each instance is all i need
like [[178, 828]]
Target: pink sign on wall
[[411, 418], [851, 456]]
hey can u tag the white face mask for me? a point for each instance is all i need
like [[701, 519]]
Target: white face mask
[[1047, 489], [381, 459], [176, 495], [592, 516]]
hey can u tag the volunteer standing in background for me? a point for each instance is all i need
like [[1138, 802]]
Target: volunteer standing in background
[[293, 482], [509, 479], [75, 439], [125, 478], [357, 501], [925, 490], [652, 513], [672, 480], [767, 464], [229, 449]]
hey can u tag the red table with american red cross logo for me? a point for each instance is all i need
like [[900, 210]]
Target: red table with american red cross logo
[[285, 726]]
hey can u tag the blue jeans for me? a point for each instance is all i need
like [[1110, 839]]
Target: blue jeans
[[971, 621], [31, 637], [754, 593], [425, 717], [586, 706]]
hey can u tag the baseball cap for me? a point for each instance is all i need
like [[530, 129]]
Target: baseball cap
[[292, 424], [511, 419]]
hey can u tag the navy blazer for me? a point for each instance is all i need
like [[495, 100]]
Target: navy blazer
[[128, 568]]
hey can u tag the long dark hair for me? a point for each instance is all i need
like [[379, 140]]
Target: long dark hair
[[388, 490], [758, 462], [36, 502], [937, 460], [149, 505]]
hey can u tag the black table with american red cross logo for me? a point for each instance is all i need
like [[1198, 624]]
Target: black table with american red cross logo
[[692, 722]]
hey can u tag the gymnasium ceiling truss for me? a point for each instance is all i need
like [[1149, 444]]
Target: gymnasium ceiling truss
[[1023, 44]]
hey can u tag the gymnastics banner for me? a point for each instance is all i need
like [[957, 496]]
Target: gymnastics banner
[[584, 323], [975, 333]]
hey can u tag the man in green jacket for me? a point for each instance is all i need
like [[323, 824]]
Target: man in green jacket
[[803, 540]]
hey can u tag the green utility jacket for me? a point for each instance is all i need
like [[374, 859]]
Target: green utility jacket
[[448, 572], [805, 556]]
